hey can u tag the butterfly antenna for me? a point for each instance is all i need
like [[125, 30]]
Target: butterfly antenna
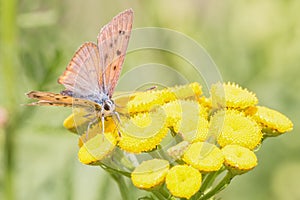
[[151, 88]]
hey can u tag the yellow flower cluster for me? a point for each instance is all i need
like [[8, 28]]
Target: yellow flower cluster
[[198, 134]]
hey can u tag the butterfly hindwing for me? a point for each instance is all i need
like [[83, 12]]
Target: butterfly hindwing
[[54, 99]]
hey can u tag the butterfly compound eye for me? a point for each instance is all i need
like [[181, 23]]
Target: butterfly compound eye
[[106, 107]]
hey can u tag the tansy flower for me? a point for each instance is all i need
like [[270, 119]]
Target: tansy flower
[[232, 96], [239, 159], [143, 132], [183, 181], [150, 173], [192, 90], [205, 157], [97, 148], [272, 119], [109, 126], [206, 102], [193, 128], [173, 113], [144, 101], [180, 113], [233, 127]]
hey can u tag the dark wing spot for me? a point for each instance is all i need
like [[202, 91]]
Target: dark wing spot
[[121, 32], [115, 67], [36, 96], [65, 97], [57, 98], [51, 104], [110, 45], [118, 52], [76, 100]]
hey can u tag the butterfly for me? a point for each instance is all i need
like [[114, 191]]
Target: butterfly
[[93, 72]]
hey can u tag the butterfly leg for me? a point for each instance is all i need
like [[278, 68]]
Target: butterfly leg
[[88, 128], [102, 123]]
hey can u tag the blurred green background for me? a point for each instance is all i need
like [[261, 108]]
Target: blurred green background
[[254, 43]]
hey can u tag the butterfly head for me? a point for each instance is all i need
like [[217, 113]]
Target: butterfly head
[[108, 107]]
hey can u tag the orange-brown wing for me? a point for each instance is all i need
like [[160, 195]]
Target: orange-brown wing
[[112, 43], [82, 74], [53, 99]]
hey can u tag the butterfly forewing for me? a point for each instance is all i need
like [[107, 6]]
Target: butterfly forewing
[[82, 74], [112, 43]]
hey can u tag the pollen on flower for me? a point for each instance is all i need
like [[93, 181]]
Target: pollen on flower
[[150, 173], [231, 95], [183, 181], [138, 136], [272, 119], [203, 156], [239, 159], [234, 127], [97, 148]]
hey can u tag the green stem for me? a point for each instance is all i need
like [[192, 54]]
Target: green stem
[[159, 195], [222, 185], [112, 170], [8, 31], [209, 180], [164, 192], [122, 185]]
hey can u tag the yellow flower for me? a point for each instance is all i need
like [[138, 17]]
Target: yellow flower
[[205, 157], [143, 101], [272, 119], [193, 128], [232, 96], [239, 159], [233, 127], [143, 132], [150, 173], [173, 113], [182, 113], [97, 148], [183, 181], [204, 101], [192, 90]]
